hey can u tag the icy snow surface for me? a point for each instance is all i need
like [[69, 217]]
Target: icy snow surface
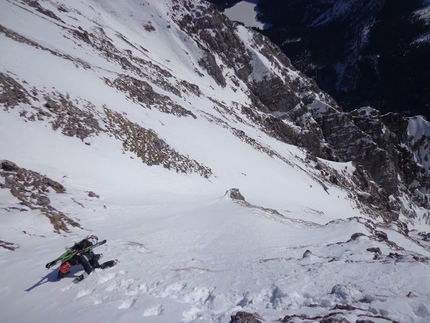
[[187, 252]]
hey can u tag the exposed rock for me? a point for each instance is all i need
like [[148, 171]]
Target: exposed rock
[[244, 317], [335, 317], [380, 235], [8, 166], [208, 62], [234, 194], [425, 236], [338, 316], [151, 149], [375, 250], [92, 194], [20, 38], [357, 235], [143, 93], [275, 94], [31, 189], [379, 147], [8, 245], [83, 35], [332, 178], [350, 142], [334, 320], [12, 93], [307, 254], [64, 115], [49, 13], [395, 255]]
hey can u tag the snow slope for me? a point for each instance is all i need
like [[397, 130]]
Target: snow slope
[[187, 252], [245, 12]]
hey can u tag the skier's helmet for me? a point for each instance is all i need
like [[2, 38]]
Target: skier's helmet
[[65, 267]]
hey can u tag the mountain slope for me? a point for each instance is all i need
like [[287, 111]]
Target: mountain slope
[[381, 144], [134, 121]]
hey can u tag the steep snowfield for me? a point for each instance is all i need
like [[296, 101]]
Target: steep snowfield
[[245, 12], [187, 252]]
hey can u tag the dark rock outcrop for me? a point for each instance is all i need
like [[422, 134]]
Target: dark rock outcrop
[[235, 194], [31, 189], [245, 317]]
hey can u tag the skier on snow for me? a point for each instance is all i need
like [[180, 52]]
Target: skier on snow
[[81, 254]]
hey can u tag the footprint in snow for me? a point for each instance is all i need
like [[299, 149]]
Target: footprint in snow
[[122, 284], [127, 303], [154, 311], [100, 300], [104, 278], [143, 288], [173, 289], [135, 246], [67, 287], [132, 291], [83, 292]]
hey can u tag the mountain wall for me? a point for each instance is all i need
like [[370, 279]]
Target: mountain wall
[[381, 144], [268, 93], [371, 53]]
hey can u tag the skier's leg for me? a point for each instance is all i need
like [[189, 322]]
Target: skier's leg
[[95, 260], [84, 260], [108, 264]]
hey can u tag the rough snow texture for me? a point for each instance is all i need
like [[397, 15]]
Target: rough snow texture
[[139, 121]]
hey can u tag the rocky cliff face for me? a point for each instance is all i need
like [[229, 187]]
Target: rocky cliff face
[[380, 144], [32, 190], [384, 145]]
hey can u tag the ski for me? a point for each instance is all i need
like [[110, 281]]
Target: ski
[[69, 254]]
